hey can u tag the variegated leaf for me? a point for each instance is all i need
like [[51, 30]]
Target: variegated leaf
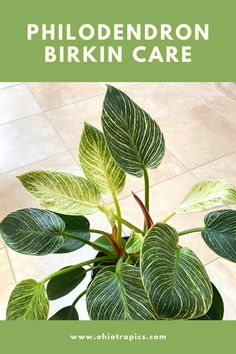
[[216, 311], [175, 279], [109, 211], [134, 243], [33, 231], [118, 296], [208, 195], [220, 233], [62, 192], [97, 162], [134, 138], [28, 301]]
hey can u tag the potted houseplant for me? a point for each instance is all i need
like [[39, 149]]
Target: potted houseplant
[[146, 275]]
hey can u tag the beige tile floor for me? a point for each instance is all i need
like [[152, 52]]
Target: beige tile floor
[[40, 126]]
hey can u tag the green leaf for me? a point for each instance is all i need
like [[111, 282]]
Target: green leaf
[[103, 241], [216, 311], [220, 233], [97, 162], [28, 301], [208, 195], [66, 313], [62, 192], [175, 279], [134, 138], [109, 211], [118, 296], [134, 243], [77, 225], [63, 284], [33, 231]]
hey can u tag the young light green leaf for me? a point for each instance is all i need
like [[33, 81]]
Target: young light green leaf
[[76, 225], [208, 195], [216, 311], [97, 162], [173, 276], [220, 233], [62, 192], [134, 138], [134, 243], [63, 284], [118, 296], [28, 301], [33, 231], [66, 313], [109, 211]]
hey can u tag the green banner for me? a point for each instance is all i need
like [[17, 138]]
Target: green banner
[[105, 337], [117, 41]]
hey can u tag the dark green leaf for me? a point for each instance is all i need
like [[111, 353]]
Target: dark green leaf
[[133, 137], [66, 313], [28, 301], [33, 231], [76, 225], [118, 295], [220, 233], [175, 279], [65, 283], [103, 241], [216, 311]]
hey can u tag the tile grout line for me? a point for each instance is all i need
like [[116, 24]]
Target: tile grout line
[[220, 114], [31, 163], [61, 139], [10, 86], [191, 171], [65, 104], [44, 112], [213, 260]]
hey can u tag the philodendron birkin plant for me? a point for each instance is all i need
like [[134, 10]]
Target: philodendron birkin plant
[[142, 275]]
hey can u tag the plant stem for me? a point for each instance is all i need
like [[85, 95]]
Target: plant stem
[[169, 216], [76, 266], [87, 242], [146, 195], [78, 297], [128, 224], [119, 225], [146, 186], [118, 264], [147, 217], [101, 232], [189, 231]]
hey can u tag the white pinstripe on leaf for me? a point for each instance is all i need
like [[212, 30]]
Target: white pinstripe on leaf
[[134, 138], [62, 192], [28, 301], [208, 195], [118, 296], [173, 276], [220, 233], [134, 242], [97, 162], [33, 231]]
